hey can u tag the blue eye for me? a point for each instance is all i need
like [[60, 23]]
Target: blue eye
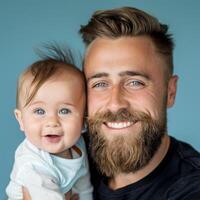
[[99, 85], [39, 111], [136, 84], [64, 111]]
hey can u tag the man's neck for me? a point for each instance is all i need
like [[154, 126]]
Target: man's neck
[[122, 179]]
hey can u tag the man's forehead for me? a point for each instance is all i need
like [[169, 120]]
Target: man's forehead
[[125, 50], [137, 57]]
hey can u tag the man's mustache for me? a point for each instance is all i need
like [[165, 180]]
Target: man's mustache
[[120, 115]]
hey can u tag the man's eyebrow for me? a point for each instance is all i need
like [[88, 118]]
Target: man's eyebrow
[[134, 73], [124, 73], [98, 75]]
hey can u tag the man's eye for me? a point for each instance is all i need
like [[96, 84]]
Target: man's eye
[[64, 111], [136, 84], [39, 111], [99, 85]]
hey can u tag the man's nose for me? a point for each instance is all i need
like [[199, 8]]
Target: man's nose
[[52, 121], [117, 99]]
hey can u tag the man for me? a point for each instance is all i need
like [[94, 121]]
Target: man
[[129, 71]]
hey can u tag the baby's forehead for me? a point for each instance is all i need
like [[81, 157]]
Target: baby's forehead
[[69, 75], [72, 75], [71, 70]]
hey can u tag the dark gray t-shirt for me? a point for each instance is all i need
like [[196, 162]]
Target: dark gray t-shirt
[[176, 178]]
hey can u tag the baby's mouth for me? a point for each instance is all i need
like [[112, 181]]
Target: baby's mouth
[[53, 138]]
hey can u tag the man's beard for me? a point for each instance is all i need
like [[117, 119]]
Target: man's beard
[[125, 153]]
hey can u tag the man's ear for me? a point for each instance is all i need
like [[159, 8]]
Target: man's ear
[[172, 88], [18, 116]]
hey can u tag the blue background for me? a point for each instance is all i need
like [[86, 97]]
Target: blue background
[[26, 24]]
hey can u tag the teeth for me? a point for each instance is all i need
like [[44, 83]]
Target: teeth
[[118, 125]]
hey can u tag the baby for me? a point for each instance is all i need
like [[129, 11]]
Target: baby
[[51, 161]]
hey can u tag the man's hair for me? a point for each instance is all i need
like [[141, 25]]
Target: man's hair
[[53, 60], [130, 22]]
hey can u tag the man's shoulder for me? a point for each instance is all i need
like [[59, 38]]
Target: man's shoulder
[[188, 154], [187, 187]]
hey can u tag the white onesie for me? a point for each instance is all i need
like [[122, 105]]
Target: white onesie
[[49, 177]]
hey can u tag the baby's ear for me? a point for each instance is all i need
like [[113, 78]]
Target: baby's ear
[[18, 116]]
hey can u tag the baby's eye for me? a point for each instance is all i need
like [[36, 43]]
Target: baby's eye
[[39, 111], [64, 111]]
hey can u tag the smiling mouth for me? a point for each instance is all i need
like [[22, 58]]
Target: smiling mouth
[[119, 125], [53, 138]]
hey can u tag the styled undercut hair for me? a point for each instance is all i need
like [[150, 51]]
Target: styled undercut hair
[[130, 22]]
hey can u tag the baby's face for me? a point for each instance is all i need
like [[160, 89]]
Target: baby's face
[[53, 120]]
